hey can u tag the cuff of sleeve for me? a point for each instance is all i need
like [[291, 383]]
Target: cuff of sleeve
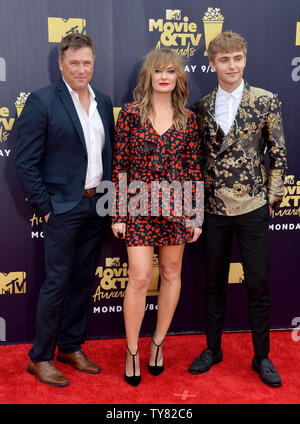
[[118, 220], [275, 184]]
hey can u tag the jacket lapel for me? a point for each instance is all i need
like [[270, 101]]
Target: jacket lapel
[[244, 111], [211, 121], [212, 141], [107, 149], [67, 101]]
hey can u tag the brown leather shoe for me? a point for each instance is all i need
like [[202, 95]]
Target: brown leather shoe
[[46, 372], [79, 361]]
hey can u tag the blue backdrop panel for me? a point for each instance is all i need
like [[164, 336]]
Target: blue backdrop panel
[[123, 32]]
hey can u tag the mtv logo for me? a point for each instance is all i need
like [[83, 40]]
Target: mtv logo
[[2, 69], [58, 28], [298, 34], [12, 283], [173, 15], [289, 179], [236, 273], [111, 262]]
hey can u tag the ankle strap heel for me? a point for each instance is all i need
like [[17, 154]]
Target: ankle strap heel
[[133, 380], [156, 369]]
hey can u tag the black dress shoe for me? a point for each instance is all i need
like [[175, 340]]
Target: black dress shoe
[[267, 371], [204, 362]]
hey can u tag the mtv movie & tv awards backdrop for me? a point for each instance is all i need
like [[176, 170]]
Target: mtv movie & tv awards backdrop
[[123, 32]]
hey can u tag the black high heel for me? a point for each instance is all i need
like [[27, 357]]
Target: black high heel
[[156, 369], [133, 380]]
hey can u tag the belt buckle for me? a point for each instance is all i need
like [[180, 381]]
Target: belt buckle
[[89, 192]]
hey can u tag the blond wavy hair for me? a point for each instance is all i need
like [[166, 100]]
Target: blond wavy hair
[[142, 94], [226, 42]]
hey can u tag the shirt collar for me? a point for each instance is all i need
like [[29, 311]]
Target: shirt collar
[[237, 93], [72, 92]]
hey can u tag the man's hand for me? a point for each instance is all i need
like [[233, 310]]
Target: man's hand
[[274, 206], [46, 217], [195, 234]]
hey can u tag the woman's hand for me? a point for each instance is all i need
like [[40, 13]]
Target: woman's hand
[[119, 230], [195, 234]]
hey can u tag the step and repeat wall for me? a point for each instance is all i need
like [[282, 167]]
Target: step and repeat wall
[[123, 32]]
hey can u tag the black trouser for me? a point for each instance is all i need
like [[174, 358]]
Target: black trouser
[[72, 243], [252, 233]]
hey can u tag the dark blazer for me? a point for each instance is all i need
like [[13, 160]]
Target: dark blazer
[[236, 181], [51, 155]]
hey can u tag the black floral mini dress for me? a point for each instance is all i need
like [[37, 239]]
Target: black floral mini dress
[[155, 179]]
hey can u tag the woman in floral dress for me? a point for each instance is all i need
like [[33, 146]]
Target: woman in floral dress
[[156, 142]]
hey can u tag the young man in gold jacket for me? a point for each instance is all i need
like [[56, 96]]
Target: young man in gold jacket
[[238, 124]]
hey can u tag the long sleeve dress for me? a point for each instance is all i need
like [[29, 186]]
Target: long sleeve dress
[[144, 162]]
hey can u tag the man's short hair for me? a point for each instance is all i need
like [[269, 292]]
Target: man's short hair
[[74, 41], [226, 42]]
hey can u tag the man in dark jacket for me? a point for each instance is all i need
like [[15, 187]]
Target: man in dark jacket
[[64, 151]]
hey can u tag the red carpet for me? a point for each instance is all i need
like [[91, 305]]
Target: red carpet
[[231, 382]]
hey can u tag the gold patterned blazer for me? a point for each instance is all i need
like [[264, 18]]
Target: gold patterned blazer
[[236, 180]]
